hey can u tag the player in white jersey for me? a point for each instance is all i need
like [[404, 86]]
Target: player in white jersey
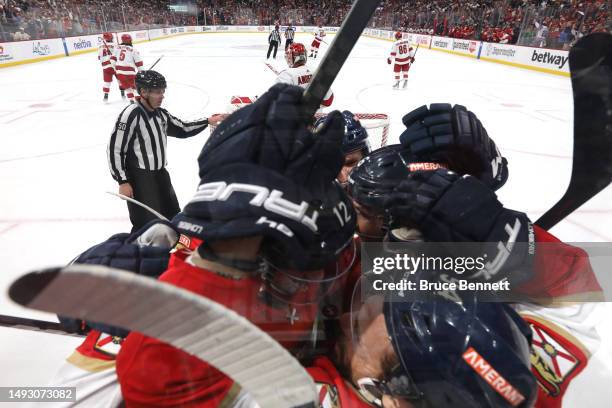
[[298, 73], [127, 64], [314, 47], [106, 50], [402, 56]]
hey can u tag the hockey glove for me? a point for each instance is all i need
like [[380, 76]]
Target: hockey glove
[[449, 208], [145, 252], [454, 135], [389, 61], [273, 132]]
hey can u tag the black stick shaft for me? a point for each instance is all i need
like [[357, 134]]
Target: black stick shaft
[[590, 63], [338, 52]]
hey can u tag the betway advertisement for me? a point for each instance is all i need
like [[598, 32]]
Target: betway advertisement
[[542, 59]]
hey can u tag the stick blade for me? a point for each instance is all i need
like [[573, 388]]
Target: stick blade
[[185, 320], [26, 289], [591, 74]]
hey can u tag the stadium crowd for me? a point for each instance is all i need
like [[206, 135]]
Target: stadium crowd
[[541, 23]]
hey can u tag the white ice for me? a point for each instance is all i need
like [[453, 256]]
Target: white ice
[[54, 129]]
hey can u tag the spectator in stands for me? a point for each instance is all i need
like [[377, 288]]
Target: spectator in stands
[[21, 35], [542, 34]]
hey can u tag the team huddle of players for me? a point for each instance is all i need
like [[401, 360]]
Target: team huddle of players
[[274, 232]]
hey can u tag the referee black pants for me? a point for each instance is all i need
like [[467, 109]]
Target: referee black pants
[[288, 42], [273, 44], [153, 188]]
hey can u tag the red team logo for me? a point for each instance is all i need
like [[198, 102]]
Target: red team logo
[[473, 46], [554, 360]]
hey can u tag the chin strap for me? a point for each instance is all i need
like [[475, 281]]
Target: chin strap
[[245, 266]]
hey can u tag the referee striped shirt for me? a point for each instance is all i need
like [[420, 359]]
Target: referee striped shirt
[[274, 36], [289, 33], [139, 139]]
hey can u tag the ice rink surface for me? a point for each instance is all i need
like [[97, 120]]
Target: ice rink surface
[[54, 129]]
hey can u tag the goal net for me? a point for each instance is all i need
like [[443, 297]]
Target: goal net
[[377, 125]]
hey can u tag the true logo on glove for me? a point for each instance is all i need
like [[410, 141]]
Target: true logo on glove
[[270, 200]]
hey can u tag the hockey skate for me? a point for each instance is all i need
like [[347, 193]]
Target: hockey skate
[[405, 85], [122, 94], [396, 86], [105, 99]]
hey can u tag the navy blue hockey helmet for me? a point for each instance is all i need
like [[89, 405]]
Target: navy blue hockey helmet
[[461, 355], [278, 185], [355, 135], [378, 173]]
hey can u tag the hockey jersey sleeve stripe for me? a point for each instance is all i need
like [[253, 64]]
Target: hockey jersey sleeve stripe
[[117, 147], [180, 129]]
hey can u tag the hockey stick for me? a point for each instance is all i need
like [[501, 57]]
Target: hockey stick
[[185, 320], [272, 68], [43, 326], [590, 63], [338, 52], [155, 63], [133, 201]]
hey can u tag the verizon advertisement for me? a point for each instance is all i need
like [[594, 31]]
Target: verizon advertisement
[[441, 43]]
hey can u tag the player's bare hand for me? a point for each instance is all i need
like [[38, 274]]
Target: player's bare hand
[[126, 190], [215, 119]]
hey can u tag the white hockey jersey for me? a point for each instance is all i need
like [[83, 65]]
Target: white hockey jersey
[[401, 52], [127, 60], [301, 76], [105, 53], [319, 34]]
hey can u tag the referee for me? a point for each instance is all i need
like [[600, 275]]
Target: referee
[[289, 33], [137, 150], [273, 39]]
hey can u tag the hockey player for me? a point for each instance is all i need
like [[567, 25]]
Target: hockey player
[[106, 50], [127, 63], [316, 42], [564, 333], [402, 56], [266, 198], [355, 145], [298, 73]]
